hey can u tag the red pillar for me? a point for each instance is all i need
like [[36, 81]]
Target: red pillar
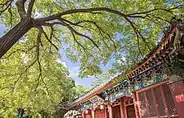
[[122, 110], [105, 112], [110, 111], [83, 114], [177, 91], [93, 113], [124, 106], [135, 105]]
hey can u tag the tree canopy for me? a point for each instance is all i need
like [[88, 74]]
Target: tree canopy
[[91, 32], [102, 78]]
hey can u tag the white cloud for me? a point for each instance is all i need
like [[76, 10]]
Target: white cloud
[[59, 61], [62, 62], [38, 15], [122, 60], [74, 71]]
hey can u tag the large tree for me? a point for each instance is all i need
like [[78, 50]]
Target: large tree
[[89, 31]]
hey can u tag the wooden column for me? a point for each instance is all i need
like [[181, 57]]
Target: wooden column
[[110, 111], [154, 102], [105, 112], [122, 110], [164, 101], [147, 107], [135, 105], [83, 114], [124, 106], [93, 113]]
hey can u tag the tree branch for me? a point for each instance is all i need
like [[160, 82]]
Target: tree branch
[[18, 50], [47, 38], [56, 39], [88, 10], [71, 23], [77, 24], [98, 27], [11, 16], [47, 89], [21, 8], [7, 5], [104, 9], [138, 34], [30, 8], [27, 68], [156, 9], [38, 56], [51, 36], [78, 33], [138, 45], [77, 41]]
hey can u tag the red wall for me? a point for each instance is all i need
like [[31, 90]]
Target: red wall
[[177, 90], [156, 101]]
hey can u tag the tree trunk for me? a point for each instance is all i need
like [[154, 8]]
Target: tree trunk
[[10, 38]]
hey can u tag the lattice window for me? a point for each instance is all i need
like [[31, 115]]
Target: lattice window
[[143, 108], [130, 111], [159, 101], [169, 102], [151, 105]]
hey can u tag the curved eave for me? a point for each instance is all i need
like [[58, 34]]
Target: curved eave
[[97, 91], [163, 43]]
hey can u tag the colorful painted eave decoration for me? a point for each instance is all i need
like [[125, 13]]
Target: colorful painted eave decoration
[[153, 55], [96, 99], [118, 79]]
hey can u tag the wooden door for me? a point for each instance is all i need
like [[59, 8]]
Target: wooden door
[[130, 111], [116, 112]]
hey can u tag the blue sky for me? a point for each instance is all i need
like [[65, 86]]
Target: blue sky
[[2, 29], [74, 68]]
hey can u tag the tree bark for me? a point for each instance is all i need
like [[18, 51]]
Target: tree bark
[[10, 38]]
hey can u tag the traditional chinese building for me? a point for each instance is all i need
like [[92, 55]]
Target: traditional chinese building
[[153, 89]]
